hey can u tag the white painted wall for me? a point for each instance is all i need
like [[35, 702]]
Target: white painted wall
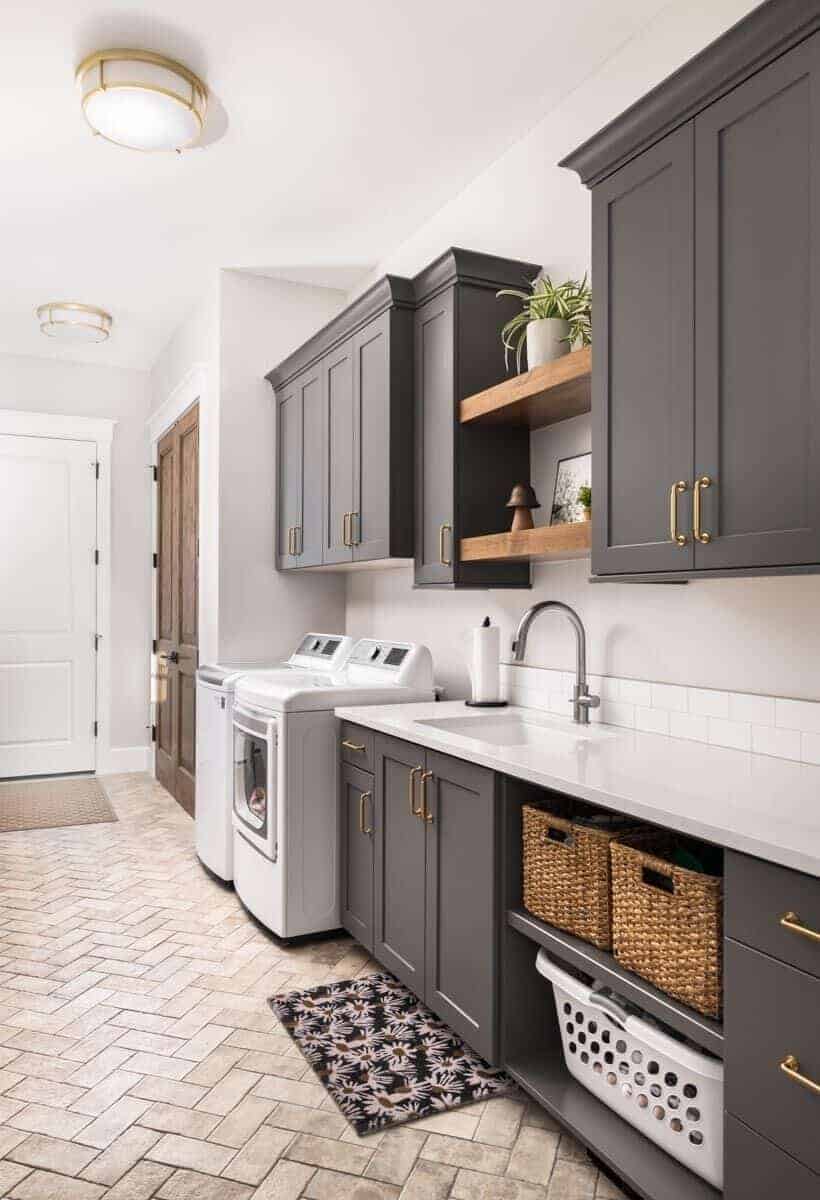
[[759, 635], [77, 389]]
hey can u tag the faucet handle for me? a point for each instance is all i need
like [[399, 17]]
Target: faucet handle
[[589, 701]]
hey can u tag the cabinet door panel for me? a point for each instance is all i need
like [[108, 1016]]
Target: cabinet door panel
[[757, 304], [400, 865], [290, 473], [337, 375], [461, 900], [371, 441], [310, 537], [642, 433], [435, 401], [357, 815]]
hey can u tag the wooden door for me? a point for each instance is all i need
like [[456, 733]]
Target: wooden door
[[757, 308], [48, 536], [460, 977], [435, 403], [399, 863], [177, 607], [357, 817], [289, 447], [642, 374], [337, 447]]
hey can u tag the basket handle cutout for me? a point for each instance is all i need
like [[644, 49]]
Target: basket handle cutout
[[563, 836], [611, 1007], [655, 879]]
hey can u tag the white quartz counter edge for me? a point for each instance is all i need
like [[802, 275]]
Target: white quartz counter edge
[[767, 807]]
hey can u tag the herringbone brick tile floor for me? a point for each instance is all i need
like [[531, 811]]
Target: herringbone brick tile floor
[[138, 1056]]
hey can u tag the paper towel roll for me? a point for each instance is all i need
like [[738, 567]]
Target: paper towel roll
[[484, 667]]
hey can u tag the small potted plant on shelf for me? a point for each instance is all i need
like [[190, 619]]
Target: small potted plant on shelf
[[585, 501], [554, 318]]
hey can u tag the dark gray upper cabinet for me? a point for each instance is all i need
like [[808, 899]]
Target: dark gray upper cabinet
[[352, 455], [706, 273], [642, 244], [463, 473], [757, 306]]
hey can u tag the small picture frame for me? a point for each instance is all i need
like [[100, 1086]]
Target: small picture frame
[[570, 475]]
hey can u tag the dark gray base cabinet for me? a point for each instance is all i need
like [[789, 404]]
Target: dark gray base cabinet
[[757, 1170], [429, 883], [706, 394]]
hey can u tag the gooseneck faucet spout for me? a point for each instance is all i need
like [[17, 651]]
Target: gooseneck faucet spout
[[582, 701]]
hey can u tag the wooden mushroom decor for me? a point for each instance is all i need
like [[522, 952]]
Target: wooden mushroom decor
[[522, 500]]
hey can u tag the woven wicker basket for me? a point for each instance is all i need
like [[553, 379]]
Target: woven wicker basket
[[670, 937], [566, 870]]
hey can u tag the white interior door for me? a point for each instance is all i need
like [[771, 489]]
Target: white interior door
[[48, 522]]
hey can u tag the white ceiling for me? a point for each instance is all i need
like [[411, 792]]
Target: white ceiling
[[336, 129]]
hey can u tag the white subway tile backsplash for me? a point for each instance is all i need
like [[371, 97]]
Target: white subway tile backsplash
[[798, 714], [780, 743], [684, 725], [669, 696], [781, 728], [737, 735], [757, 710], [706, 703]]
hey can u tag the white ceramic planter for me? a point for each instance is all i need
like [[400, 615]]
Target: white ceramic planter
[[544, 340]]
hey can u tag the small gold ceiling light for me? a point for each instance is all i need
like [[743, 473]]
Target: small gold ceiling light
[[142, 100], [68, 321]]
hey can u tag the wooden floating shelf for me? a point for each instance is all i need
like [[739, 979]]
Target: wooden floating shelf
[[553, 392], [544, 542], [604, 967]]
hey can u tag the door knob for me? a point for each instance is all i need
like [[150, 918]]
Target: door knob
[[173, 656]]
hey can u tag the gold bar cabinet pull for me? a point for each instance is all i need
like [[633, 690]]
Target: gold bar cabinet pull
[[700, 535], [345, 537], [426, 815], [790, 1066], [791, 921], [354, 746], [411, 792], [444, 529], [355, 534], [363, 799], [677, 489]]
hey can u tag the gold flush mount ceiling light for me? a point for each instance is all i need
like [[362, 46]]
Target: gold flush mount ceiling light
[[68, 321], [142, 100]]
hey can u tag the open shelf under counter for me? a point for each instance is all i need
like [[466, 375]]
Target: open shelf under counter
[[606, 969], [641, 1164], [543, 396], [544, 543]]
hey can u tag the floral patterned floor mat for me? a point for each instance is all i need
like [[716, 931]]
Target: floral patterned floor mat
[[381, 1054]]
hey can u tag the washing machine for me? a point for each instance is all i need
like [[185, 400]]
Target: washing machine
[[215, 687], [285, 755]]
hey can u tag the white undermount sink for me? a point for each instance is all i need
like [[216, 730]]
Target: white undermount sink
[[514, 729]]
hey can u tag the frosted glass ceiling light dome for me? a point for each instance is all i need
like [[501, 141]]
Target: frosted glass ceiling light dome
[[68, 321], [141, 100]]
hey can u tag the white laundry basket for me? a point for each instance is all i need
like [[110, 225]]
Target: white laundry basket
[[669, 1091]]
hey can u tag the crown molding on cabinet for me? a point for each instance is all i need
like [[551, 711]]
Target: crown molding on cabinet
[[751, 44], [471, 267]]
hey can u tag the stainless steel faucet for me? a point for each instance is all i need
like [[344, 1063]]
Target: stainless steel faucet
[[582, 701]]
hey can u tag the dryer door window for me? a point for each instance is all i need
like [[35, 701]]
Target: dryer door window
[[251, 787]]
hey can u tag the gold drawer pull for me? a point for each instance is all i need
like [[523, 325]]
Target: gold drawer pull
[[363, 799], [790, 1066], [411, 792], [443, 529], [677, 489], [353, 746], [790, 920], [426, 815], [700, 535]]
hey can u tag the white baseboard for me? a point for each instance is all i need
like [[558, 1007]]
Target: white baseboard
[[122, 760]]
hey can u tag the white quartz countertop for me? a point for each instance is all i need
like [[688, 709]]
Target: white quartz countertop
[[767, 807]]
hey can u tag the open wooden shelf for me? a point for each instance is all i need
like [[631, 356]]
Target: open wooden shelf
[[604, 967], [650, 1171], [543, 542], [554, 392]]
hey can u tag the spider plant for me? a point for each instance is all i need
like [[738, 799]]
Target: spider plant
[[569, 301]]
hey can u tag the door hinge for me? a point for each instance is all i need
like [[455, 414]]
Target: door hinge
[[96, 467], [154, 472], [96, 729], [97, 640], [155, 560], [96, 558], [153, 733], [154, 646]]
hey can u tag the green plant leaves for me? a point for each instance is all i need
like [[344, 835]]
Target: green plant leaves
[[569, 301]]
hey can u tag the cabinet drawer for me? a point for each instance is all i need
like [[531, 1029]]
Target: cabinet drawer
[[770, 1012], [356, 745], [757, 1170], [758, 895]]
